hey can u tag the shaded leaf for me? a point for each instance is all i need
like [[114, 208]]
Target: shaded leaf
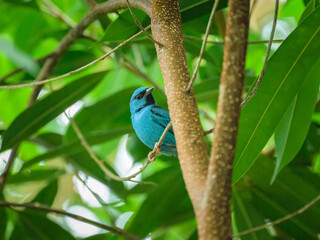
[[293, 189], [73, 60], [167, 205], [46, 109], [23, 3], [47, 194], [47, 140], [35, 175], [35, 226], [246, 216]]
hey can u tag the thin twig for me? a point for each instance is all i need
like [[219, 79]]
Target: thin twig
[[159, 143], [36, 83], [44, 208], [254, 90], [253, 5], [208, 132], [280, 220], [221, 42], [98, 161], [215, 5], [141, 27]]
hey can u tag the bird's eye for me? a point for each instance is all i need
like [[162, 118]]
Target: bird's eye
[[139, 97]]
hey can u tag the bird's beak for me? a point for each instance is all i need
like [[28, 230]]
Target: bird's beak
[[149, 90]]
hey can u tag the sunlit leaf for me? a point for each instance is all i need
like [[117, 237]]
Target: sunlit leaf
[[47, 194], [294, 126], [286, 72]]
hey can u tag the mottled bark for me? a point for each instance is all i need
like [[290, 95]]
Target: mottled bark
[[166, 28], [209, 190], [215, 223]]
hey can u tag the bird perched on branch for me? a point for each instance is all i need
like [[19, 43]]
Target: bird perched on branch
[[149, 121]]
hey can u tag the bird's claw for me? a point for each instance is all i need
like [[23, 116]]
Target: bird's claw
[[154, 152]]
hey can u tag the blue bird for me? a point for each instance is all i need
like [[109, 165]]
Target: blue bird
[[150, 120]]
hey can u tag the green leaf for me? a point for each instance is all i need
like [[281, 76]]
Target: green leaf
[[47, 194], [19, 58], [84, 163], [76, 146], [112, 112], [23, 3], [246, 216], [4, 219], [46, 109], [193, 9], [35, 175], [102, 236], [167, 205], [293, 189], [124, 26], [136, 148], [36, 226], [48, 140], [73, 60], [294, 126], [286, 72]]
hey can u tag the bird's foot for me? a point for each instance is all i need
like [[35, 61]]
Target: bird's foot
[[153, 153]]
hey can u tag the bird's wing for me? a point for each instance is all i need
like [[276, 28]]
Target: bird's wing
[[162, 118]]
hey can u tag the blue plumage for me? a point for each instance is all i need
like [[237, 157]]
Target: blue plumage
[[150, 120]]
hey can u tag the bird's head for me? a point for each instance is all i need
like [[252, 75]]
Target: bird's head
[[141, 98]]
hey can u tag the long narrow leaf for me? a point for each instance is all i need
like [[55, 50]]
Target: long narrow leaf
[[46, 109], [294, 126], [286, 72]]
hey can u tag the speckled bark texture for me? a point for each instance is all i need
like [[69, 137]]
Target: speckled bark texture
[[166, 28], [216, 220]]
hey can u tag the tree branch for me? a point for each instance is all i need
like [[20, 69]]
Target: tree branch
[[43, 208], [166, 28], [221, 43], [159, 143], [141, 27], [254, 90], [215, 222]]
